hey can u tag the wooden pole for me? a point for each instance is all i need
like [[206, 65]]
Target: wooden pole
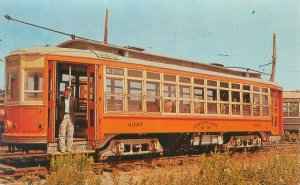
[[273, 59], [106, 26]]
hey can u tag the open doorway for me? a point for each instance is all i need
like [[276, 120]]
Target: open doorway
[[76, 76]]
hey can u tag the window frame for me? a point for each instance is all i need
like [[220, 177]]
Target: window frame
[[250, 100], [189, 99], [217, 101], [203, 86], [15, 70], [224, 102], [158, 97], [171, 99], [259, 104], [180, 81], [267, 105], [24, 70], [122, 95]]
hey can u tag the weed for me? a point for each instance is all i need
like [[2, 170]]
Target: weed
[[72, 169], [223, 168]]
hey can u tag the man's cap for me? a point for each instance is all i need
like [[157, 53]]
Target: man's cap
[[68, 87]]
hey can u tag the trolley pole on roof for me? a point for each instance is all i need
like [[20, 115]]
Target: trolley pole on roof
[[73, 36], [273, 58], [106, 26]]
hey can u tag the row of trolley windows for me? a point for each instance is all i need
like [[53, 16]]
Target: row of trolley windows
[[134, 91]]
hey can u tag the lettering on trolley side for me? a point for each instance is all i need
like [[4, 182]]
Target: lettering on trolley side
[[204, 125], [114, 71], [135, 124]]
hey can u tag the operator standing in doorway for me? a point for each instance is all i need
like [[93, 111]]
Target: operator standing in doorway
[[67, 107]]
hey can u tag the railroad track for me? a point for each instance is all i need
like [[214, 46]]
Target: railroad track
[[9, 171], [123, 165]]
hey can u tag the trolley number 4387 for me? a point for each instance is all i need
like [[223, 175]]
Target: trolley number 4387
[[135, 124]]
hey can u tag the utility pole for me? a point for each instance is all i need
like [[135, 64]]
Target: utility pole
[[106, 26], [273, 58]]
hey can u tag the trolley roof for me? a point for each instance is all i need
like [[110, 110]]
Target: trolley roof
[[138, 53], [57, 51]]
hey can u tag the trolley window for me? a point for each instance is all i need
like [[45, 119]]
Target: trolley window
[[212, 101], [153, 96], [224, 84], [153, 88], [114, 103], [256, 104], [184, 95], [236, 100], [199, 104], [212, 94], [224, 104], [246, 87], [154, 76], [114, 90], [12, 86], [199, 93], [184, 80], [134, 95], [235, 86], [169, 104], [246, 103], [33, 85], [265, 105], [212, 83], [170, 78], [114, 86], [135, 73], [198, 81], [170, 90]]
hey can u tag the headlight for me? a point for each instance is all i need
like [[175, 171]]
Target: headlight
[[7, 124], [2, 112]]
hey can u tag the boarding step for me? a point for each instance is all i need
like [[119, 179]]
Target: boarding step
[[77, 147]]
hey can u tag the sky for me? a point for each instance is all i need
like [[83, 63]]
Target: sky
[[229, 32]]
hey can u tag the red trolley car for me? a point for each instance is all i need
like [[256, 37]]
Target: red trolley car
[[132, 102]]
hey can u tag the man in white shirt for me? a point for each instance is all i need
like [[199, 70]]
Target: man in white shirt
[[67, 107]]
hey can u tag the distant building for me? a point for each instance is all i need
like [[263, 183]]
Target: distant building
[[291, 111]]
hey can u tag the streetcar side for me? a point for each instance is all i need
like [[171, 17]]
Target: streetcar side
[[133, 106], [187, 109]]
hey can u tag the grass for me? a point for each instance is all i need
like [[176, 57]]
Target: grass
[[72, 169], [221, 168], [280, 167]]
